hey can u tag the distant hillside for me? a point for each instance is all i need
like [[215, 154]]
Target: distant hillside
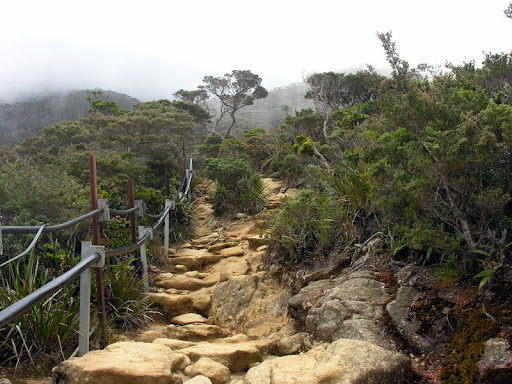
[[268, 112], [29, 117]]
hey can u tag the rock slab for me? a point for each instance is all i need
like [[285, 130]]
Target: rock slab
[[120, 363], [342, 362]]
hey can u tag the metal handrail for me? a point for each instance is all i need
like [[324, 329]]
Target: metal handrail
[[32, 244], [23, 305], [129, 248], [51, 228], [125, 212]]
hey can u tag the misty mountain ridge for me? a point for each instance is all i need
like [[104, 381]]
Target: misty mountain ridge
[[29, 116]]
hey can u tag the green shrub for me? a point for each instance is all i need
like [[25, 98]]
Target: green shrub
[[307, 225], [239, 188]]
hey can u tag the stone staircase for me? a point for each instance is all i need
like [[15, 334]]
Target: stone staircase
[[228, 322]]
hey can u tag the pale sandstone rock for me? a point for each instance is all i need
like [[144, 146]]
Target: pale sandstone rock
[[150, 336], [163, 276], [249, 305], [172, 304], [219, 247], [200, 379], [256, 241], [224, 269], [181, 361], [292, 192], [206, 239], [193, 274], [120, 363], [232, 251], [342, 362], [188, 318], [174, 344], [237, 357], [238, 338], [196, 262], [272, 186], [180, 268], [184, 283], [201, 300], [265, 346], [215, 371], [194, 332]]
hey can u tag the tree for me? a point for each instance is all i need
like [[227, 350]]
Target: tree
[[196, 104], [508, 11], [234, 90], [331, 91]]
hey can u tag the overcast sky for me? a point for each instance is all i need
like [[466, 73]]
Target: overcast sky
[[150, 49]]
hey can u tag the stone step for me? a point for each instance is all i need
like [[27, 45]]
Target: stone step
[[182, 282]]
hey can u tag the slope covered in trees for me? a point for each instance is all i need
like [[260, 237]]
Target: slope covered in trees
[[28, 117]]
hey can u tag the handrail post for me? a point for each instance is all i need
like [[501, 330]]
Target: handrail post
[[131, 204], [85, 304], [166, 229], [100, 290], [1, 241], [144, 260]]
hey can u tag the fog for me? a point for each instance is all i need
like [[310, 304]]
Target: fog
[[151, 49]]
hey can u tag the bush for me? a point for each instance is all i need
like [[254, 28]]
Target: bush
[[307, 225], [239, 188]]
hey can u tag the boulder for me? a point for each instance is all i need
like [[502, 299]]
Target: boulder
[[307, 297], [215, 371], [422, 339], [174, 344], [232, 251], [172, 304], [188, 318], [216, 248], [237, 357], [201, 300], [256, 241], [183, 282], [195, 261], [343, 362], [294, 344], [495, 365], [194, 332], [120, 363], [150, 336], [349, 310], [200, 379], [224, 269], [250, 305]]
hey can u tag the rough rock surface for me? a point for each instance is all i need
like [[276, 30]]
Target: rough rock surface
[[251, 305], [148, 363], [237, 357], [348, 310], [215, 371], [344, 361], [495, 365]]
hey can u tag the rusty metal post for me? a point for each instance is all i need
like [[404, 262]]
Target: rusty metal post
[[100, 290], [131, 204]]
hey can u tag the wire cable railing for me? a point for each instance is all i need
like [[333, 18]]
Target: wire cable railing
[[29, 248], [92, 256]]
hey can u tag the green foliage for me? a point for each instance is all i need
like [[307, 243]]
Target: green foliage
[[126, 307], [311, 224], [238, 186], [49, 327]]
